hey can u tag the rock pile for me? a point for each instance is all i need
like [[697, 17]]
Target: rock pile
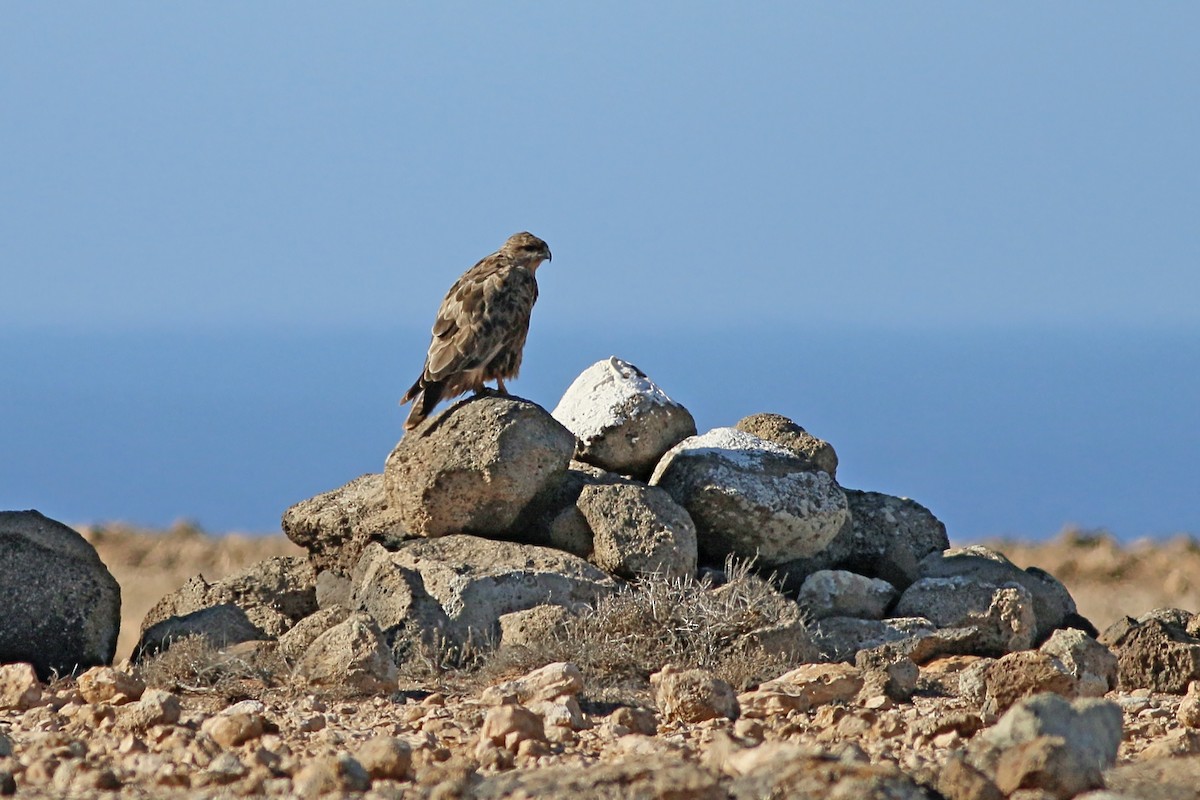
[[913, 670], [497, 513]]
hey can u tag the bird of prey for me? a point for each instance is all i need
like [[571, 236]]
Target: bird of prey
[[481, 326]]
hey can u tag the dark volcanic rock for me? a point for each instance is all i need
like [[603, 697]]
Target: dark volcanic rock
[[61, 606], [782, 431], [1158, 651]]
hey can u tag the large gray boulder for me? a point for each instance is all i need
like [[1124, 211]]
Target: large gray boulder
[[1053, 605], [639, 531], [335, 526], [61, 605], [475, 467], [993, 620], [622, 420], [752, 498], [459, 586], [887, 539], [262, 601]]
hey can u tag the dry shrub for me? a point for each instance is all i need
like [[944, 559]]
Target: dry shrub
[[193, 664], [436, 660], [685, 622]]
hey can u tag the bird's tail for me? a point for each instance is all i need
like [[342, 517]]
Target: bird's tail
[[424, 397]]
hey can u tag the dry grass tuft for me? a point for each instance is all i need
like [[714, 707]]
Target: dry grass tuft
[[437, 661], [192, 664], [685, 622]]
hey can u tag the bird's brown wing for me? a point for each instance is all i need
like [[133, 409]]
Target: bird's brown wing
[[483, 312]]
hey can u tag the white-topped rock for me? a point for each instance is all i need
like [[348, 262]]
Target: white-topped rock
[[733, 446], [752, 498], [622, 420]]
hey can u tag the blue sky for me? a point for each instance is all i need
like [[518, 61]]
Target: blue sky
[[751, 176], [214, 164]]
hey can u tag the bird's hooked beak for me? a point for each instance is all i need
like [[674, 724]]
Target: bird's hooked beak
[[548, 256]]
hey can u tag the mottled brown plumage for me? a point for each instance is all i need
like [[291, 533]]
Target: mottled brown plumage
[[481, 326]]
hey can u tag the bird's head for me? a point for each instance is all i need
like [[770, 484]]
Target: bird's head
[[526, 249]]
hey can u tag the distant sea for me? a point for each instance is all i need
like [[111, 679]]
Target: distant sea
[[999, 432]]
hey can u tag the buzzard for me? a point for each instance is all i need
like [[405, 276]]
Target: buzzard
[[481, 326]]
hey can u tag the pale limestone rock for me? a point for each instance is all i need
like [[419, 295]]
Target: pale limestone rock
[[692, 695], [1092, 664], [352, 654], [19, 686], [461, 585], [507, 726], [839, 593], [1018, 675], [385, 757], [108, 685], [335, 526], [622, 421]]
